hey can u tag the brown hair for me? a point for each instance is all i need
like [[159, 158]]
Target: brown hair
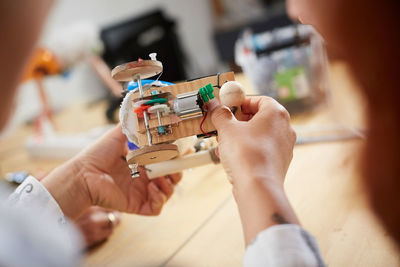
[[369, 34]]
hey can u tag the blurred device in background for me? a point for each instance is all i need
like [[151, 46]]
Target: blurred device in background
[[76, 43], [231, 14], [232, 17], [286, 63], [281, 59]]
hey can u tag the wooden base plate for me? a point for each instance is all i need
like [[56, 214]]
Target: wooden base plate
[[146, 69], [188, 127], [152, 154]]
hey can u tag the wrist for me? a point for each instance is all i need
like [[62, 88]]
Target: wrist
[[255, 176], [262, 203], [66, 184], [262, 184]]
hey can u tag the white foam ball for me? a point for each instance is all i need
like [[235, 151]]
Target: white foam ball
[[232, 94]]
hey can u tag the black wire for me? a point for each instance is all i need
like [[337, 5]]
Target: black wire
[[218, 80], [218, 85]]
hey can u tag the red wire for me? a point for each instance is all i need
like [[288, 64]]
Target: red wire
[[201, 125]]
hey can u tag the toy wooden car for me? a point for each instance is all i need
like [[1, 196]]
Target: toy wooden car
[[154, 114]]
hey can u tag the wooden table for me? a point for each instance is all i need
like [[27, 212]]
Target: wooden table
[[200, 225]]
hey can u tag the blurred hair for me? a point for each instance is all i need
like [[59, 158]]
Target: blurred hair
[[368, 33], [20, 25]]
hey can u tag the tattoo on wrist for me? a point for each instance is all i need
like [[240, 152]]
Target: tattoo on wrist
[[277, 218]]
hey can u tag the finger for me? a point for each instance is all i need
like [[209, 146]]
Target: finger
[[97, 209], [126, 150], [114, 134], [142, 181], [156, 198], [261, 107], [117, 134], [104, 233], [230, 179], [246, 117], [217, 152], [222, 117], [251, 104], [100, 219], [165, 185], [142, 174], [117, 216], [255, 104], [112, 138], [110, 222], [175, 177], [94, 209], [98, 236]]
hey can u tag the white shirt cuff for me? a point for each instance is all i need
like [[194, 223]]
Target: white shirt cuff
[[31, 194], [283, 245]]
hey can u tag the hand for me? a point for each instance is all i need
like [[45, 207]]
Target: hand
[[256, 154], [95, 224], [259, 146], [101, 176]]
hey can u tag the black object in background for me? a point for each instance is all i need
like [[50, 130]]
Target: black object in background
[[225, 39], [138, 37]]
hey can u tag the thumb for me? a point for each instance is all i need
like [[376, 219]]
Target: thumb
[[113, 136], [117, 134], [221, 116]]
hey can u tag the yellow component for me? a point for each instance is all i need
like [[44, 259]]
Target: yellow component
[[43, 62]]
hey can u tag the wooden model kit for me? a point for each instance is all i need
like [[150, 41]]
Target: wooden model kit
[[154, 116]]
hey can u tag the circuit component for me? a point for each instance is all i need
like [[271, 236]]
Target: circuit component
[[206, 92], [186, 106]]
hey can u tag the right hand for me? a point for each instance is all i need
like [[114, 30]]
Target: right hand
[[260, 146], [256, 154]]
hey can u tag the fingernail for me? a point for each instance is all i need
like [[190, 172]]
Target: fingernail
[[169, 181], [153, 185], [212, 104]]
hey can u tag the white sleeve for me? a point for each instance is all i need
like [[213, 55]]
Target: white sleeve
[[32, 194], [284, 245], [34, 231]]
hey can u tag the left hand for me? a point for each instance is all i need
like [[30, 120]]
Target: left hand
[[101, 176], [95, 224]]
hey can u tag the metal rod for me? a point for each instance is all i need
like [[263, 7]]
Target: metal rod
[[146, 124], [137, 79], [159, 118], [145, 116]]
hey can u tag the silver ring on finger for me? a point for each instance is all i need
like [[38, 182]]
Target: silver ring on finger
[[112, 219]]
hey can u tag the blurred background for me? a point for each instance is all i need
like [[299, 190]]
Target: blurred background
[[67, 97], [192, 38]]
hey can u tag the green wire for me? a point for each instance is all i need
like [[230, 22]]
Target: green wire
[[206, 92], [156, 100]]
